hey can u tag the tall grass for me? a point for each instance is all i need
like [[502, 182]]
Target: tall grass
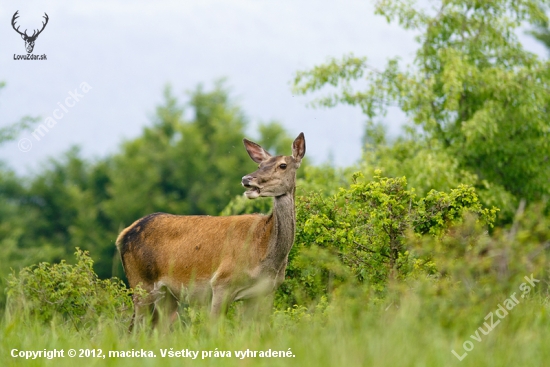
[[410, 328]]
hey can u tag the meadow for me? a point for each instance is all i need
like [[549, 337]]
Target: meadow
[[411, 332]]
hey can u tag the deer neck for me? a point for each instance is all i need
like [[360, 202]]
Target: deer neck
[[282, 234]]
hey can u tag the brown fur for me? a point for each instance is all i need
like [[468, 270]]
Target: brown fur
[[164, 246]]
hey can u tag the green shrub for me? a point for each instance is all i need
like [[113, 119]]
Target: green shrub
[[73, 293], [474, 265], [361, 234]]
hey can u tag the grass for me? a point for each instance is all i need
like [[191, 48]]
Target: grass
[[412, 330]]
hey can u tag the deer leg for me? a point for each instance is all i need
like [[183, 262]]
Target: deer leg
[[258, 308], [219, 302], [165, 311], [165, 306], [137, 316], [142, 309], [221, 298]]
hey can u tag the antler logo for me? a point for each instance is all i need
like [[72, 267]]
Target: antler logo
[[29, 40]]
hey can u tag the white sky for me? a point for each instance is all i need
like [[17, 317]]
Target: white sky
[[128, 51]]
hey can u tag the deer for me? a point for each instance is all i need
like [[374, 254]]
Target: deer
[[29, 40], [216, 259]]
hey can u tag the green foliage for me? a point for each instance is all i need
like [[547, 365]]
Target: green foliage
[[73, 293], [541, 32], [429, 165], [476, 271], [15, 216], [55, 211], [476, 95], [362, 232]]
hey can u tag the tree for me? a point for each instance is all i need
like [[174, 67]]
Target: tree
[[474, 96], [541, 32]]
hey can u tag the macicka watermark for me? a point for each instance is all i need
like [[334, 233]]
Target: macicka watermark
[[25, 144], [501, 312]]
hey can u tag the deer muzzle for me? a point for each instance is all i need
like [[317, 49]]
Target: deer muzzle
[[252, 189]]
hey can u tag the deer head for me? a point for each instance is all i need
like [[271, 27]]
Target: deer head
[[29, 40], [276, 176]]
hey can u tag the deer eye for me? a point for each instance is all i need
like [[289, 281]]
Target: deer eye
[[282, 166]]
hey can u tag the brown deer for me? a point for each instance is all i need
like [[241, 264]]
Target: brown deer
[[193, 258]]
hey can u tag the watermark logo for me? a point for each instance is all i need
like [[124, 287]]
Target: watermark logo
[[29, 40], [73, 97], [501, 312]]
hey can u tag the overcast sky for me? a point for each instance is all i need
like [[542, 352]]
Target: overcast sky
[[128, 51]]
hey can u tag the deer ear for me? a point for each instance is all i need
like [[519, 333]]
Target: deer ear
[[299, 148], [256, 152]]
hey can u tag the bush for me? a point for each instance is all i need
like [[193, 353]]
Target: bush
[[361, 234], [73, 293], [478, 264]]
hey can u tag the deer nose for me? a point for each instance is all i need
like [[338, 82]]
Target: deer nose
[[246, 180]]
